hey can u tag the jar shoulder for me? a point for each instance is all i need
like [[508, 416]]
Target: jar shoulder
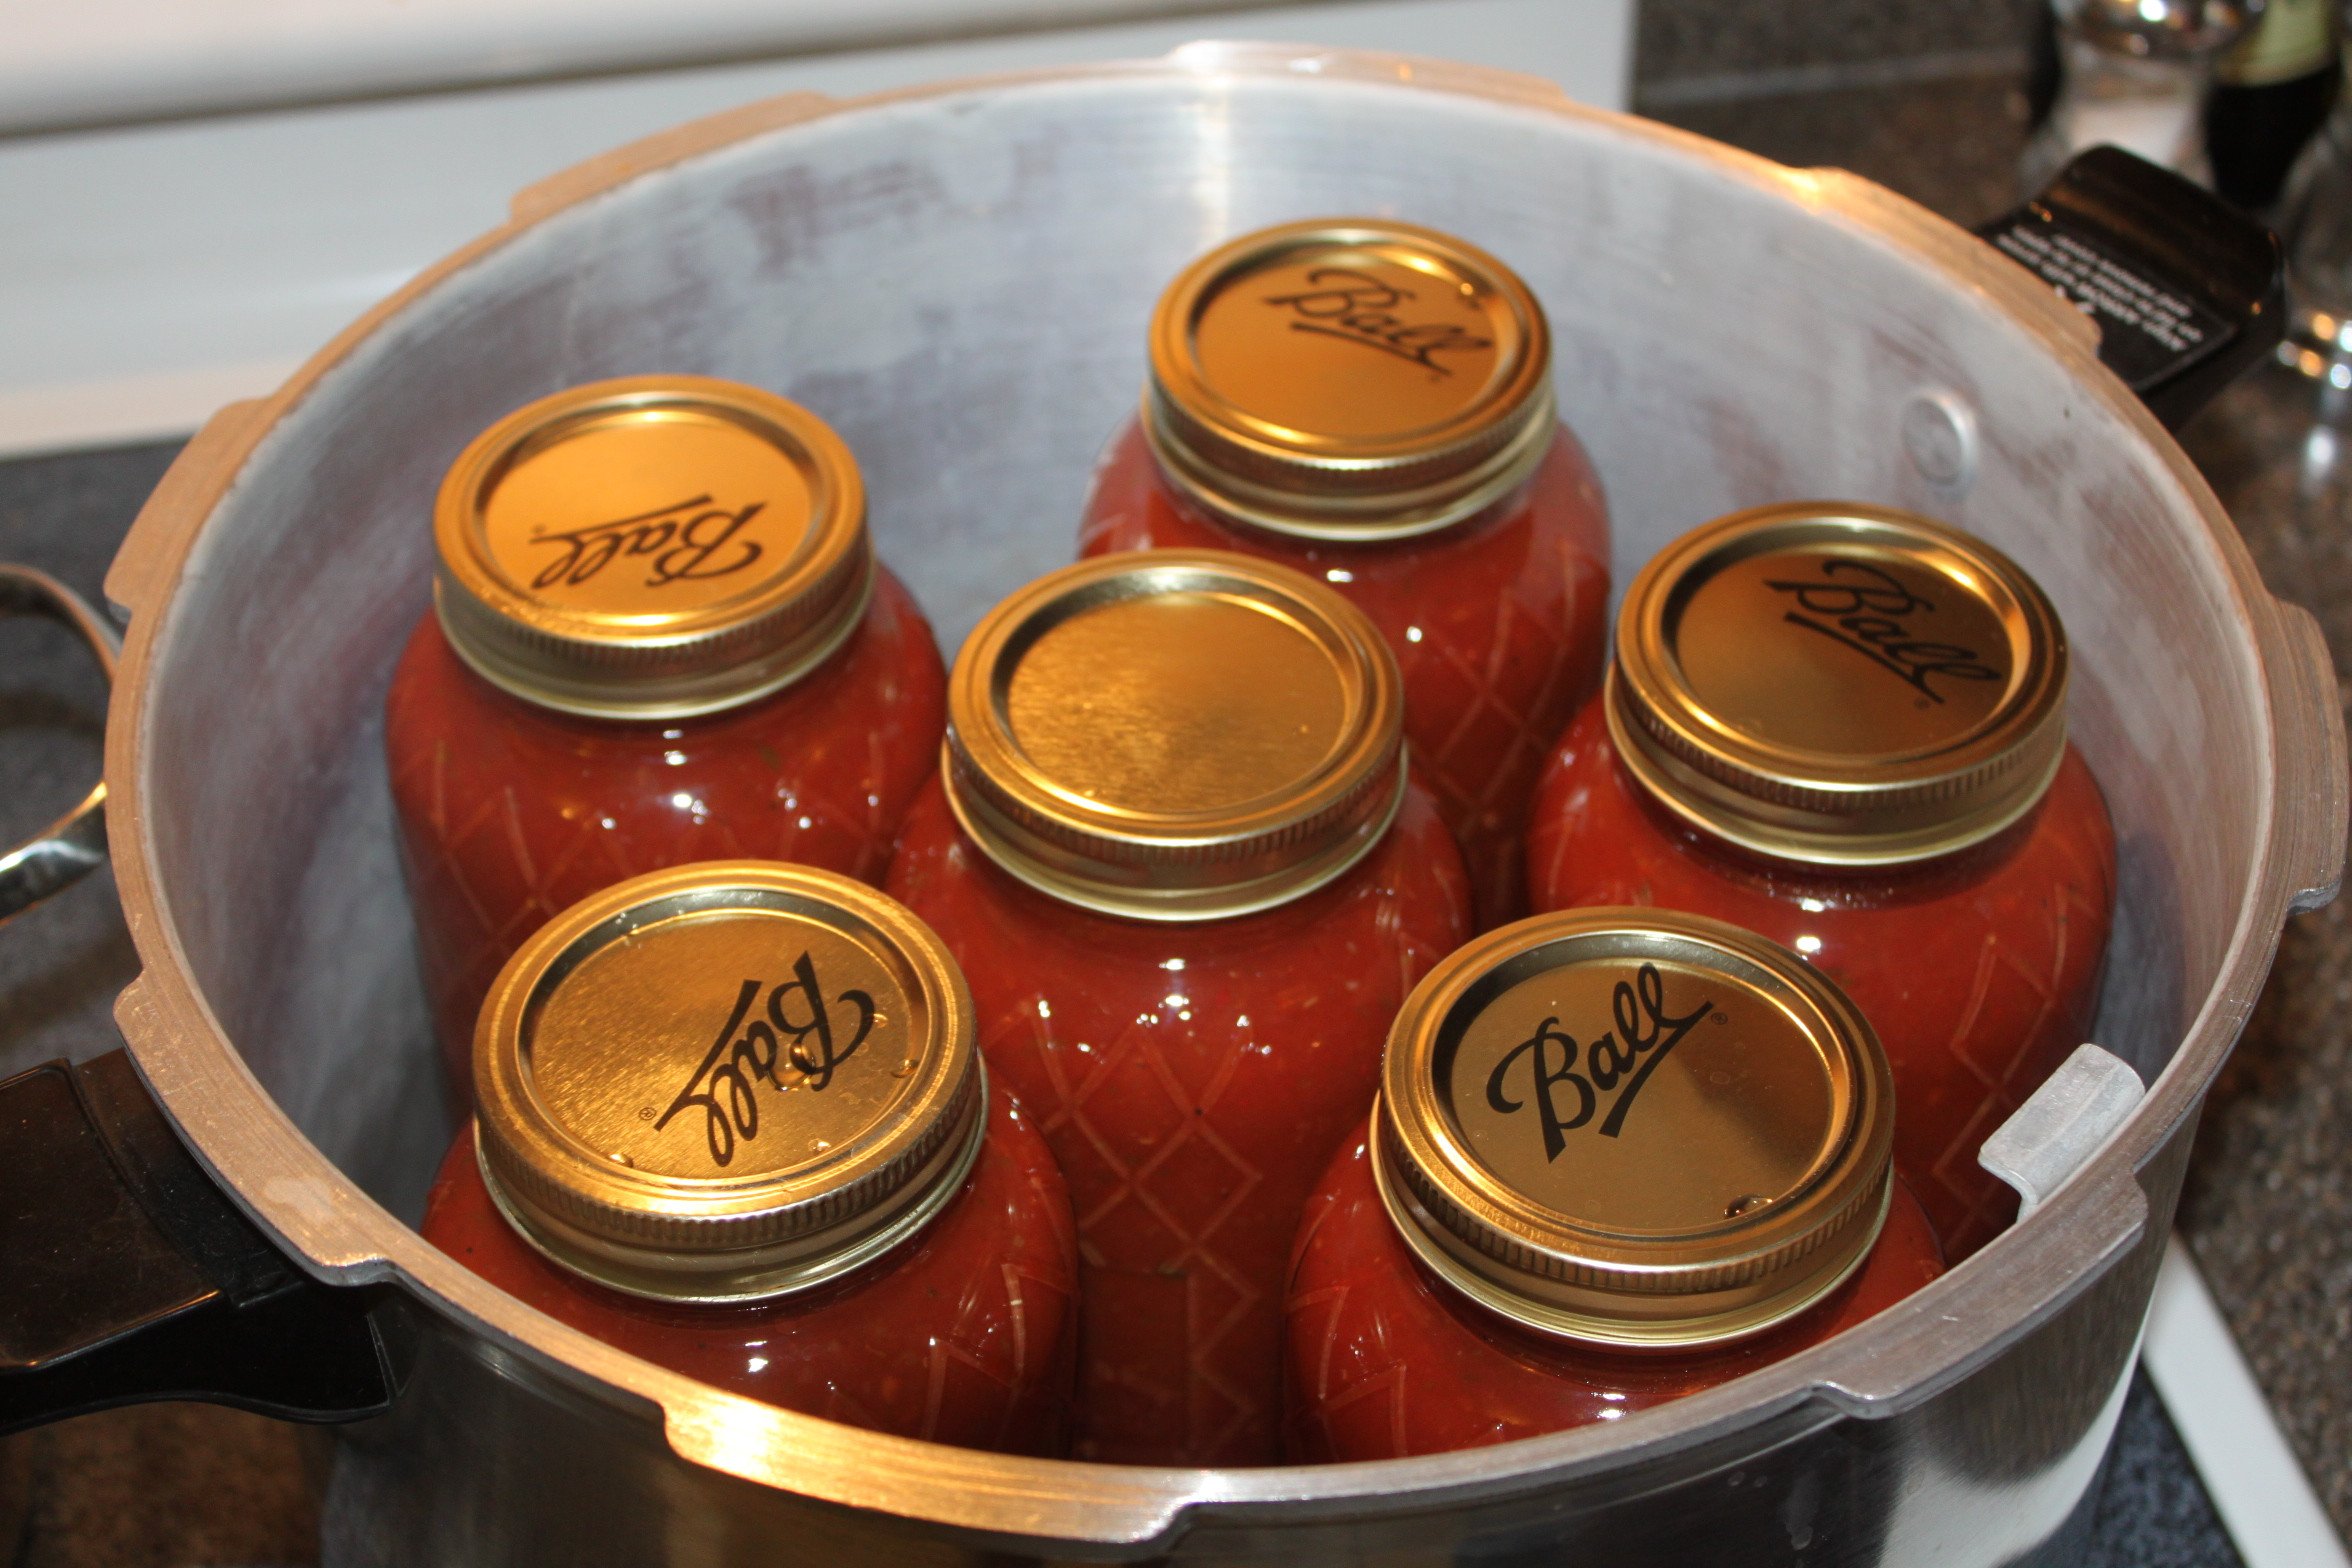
[[1383, 1364], [992, 1280], [1595, 838], [1558, 518], [888, 678], [556, 805], [1409, 894]]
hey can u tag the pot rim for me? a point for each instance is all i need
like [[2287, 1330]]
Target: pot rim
[[1951, 1327]]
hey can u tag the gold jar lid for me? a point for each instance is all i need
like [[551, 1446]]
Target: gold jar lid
[[651, 547], [727, 1081], [1839, 684], [1635, 1127], [1349, 378], [1175, 735]]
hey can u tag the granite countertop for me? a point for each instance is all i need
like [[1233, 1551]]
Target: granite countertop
[[2268, 1209], [1924, 100]]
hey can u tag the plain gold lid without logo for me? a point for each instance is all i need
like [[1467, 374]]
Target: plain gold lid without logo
[[1635, 1127], [1839, 684], [726, 1081], [1349, 378], [651, 547], [1175, 735]]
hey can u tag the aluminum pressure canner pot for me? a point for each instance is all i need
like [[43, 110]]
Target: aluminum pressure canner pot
[[958, 279]]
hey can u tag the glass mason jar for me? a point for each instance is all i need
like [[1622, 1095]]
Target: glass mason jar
[[1176, 851], [1845, 727], [658, 635], [732, 1119], [1371, 403], [1619, 1156]]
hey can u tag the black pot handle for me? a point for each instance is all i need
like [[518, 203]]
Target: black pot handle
[[131, 1277], [125, 1273], [2187, 291]]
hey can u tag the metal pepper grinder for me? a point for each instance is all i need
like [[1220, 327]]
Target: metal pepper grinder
[[2135, 75]]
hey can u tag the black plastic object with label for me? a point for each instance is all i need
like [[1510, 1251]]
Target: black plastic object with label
[[2186, 290]]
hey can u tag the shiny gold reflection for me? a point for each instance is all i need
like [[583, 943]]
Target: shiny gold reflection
[[1353, 342], [631, 1055], [646, 513], [1848, 651], [1176, 703], [1643, 1099]]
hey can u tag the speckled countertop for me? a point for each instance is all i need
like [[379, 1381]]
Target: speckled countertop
[[1920, 97], [2268, 1210]]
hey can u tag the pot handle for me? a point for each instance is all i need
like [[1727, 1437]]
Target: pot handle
[[2187, 291], [128, 1274], [75, 844], [131, 1277]]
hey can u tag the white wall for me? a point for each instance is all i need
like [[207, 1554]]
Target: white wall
[[150, 273]]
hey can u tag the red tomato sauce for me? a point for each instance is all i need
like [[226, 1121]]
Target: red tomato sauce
[[511, 812], [965, 1335], [1192, 1080], [1384, 1361], [1979, 969]]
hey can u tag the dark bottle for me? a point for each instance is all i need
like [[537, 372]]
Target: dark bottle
[[2045, 68], [2271, 90]]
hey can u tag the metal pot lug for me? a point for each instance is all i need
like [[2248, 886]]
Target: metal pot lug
[[2315, 778], [150, 557]]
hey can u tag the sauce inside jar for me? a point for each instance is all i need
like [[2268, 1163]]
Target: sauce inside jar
[[732, 1119], [1176, 851], [659, 635], [1370, 403], [1619, 1156], [1844, 727]]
